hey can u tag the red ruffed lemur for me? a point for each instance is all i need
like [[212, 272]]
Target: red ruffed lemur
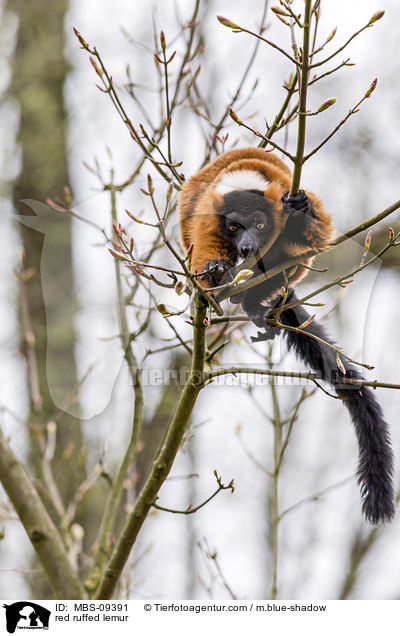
[[228, 211]]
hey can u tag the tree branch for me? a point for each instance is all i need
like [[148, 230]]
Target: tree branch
[[38, 525], [164, 461], [301, 129], [103, 541], [189, 510]]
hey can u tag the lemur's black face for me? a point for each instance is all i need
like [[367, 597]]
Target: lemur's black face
[[247, 221]]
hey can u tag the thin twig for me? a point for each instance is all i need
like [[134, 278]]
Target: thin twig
[[103, 541], [317, 496], [190, 510]]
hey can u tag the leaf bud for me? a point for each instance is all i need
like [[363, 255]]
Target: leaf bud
[[243, 275], [331, 35], [179, 287], [162, 41], [282, 20], [340, 364], [67, 195], [307, 322], [83, 43], [371, 88], [162, 309], [234, 116], [279, 11], [93, 62], [227, 22], [377, 16], [116, 254], [367, 243], [135, 218], [326, 104]]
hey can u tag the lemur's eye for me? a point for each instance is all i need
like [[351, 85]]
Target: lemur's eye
[[232, 228], [260, 226]]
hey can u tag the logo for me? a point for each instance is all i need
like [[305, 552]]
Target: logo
[[26, 615]]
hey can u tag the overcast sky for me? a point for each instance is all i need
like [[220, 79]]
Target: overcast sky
[[354, 183]]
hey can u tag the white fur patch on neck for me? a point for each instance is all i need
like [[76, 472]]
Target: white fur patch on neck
[[242, 180]]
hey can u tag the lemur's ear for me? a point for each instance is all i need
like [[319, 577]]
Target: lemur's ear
[[217, 200]]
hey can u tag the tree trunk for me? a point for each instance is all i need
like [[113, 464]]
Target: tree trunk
[[38, 75]]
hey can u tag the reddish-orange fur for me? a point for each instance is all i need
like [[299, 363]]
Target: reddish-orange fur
[[199, 203]]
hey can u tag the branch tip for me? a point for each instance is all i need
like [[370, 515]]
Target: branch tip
[[228, 23], [162, 41], [331, 35], [377, 16], [82, 41], [371, 88], [326, 104], [279, 11], [234, 116]]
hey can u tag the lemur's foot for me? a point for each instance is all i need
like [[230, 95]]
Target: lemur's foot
[[259, 315], [297, 203], [269, 333], [217, 272]]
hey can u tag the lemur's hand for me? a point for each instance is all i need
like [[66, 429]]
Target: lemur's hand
[[217, 272], [297, 203]]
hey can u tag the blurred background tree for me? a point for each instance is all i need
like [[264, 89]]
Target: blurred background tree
[[39, 70]]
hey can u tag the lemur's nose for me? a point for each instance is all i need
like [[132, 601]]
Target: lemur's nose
[[245, 250]]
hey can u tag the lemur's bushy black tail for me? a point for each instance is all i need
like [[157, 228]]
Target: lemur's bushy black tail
[[375, 470]]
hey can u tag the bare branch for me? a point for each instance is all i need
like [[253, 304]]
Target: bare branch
[[190, 510], [40, 529]]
